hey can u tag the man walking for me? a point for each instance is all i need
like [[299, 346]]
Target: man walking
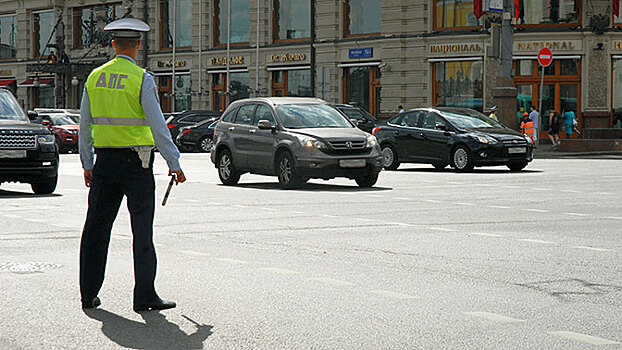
[[535, 118], [121, 119]]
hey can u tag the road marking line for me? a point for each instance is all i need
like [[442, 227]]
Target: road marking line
[[395, 295], [298, 212], [463, 203], [400, 224], [535, 241], [575, 214], [432, 201], [583, 338], [592, 248], [614, 217], [329, 216], [232, 261], [442, 229], [192, 252], [331, 281], [538, 210], [494, 317], [402, 198], [571, 191], [485, 234], [278, 270], [498, 207]]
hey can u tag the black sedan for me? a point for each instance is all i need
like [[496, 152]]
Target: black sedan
[[186, 118], [198, 137], [460, 137], [364, 120]]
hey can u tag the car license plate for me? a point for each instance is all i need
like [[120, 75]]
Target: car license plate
[[352, 163], [515, 150], [12, 154]]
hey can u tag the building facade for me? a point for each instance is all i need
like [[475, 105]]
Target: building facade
[[377, 54]]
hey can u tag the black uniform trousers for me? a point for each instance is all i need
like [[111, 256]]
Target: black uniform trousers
[[119, 172]]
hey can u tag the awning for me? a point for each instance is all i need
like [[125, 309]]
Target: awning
[[5, 82], [273, 68], [30, 82]]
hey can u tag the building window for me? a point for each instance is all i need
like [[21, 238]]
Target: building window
[[362, 17], [458, 84], [240, 21], [7, 37], [362, 88], [42, 32], [295, 83], [292, 19], [238, 88], [616, 104], [454, 14], [547, 12], [85, 26], [183, 25]]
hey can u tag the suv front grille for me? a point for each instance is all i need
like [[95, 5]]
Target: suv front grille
[[347, 145], [18, 139]]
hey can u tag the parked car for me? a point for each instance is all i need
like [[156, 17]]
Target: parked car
[[365, 121], [188, 118], [65, 128], [57, 110], [27, 150], [198, 136], [295, 139], [460, 137]]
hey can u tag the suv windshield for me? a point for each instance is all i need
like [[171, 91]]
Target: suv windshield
[[63, 119], [9, 108], [304, 116], [471, 120]]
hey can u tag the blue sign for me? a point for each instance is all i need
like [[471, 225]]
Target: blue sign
[[367, 52]]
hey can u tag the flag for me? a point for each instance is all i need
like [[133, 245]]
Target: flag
[[616, 8], [477, 8]]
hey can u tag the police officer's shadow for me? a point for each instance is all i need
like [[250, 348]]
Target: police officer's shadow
[[157, 333]]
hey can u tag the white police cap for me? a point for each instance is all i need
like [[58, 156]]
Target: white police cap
[[127, 28]]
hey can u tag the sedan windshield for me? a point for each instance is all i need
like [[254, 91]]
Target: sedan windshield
[[304, 116], [9, 109], [471, 120], [356, 113]]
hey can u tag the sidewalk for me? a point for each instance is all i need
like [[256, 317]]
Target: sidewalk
[[546, 151]]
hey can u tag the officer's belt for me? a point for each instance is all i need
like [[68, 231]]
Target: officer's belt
[[120, 121]]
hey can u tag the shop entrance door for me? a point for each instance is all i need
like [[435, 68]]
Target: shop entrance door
[[165, 89]]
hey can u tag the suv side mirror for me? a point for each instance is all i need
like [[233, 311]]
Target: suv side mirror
[[32, 115], [265, 125], [441, 127]]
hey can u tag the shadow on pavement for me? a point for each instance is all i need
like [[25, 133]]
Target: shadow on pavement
[[474, 171], [157, 333], [312, 187], [15, 194]]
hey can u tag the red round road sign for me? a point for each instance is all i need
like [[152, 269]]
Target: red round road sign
[[545, 57]]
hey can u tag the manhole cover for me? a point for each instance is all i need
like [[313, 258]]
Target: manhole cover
[[27, 266]]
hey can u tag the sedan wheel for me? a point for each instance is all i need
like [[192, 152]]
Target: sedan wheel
[[389, 158], [226, 171], [205, 144], [461, 158]]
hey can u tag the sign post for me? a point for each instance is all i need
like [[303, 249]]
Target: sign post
[[545, 58]]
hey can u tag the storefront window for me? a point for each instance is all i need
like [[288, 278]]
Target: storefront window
[[42, 31], [549, 11], [291, 83], [86, 30], [240, 21], [7, 37], [525, 67], [362, 88], [292, 19], [362, 17], [617, 94], [43, 96], [183, 92], [239, 88], [458, 84], [183, 24], [454, 14]]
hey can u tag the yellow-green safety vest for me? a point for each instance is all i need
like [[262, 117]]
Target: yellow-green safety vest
[[114, 93]]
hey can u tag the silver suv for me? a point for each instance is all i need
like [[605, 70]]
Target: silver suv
[[295, 139]]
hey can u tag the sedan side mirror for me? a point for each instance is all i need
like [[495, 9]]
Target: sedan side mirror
[[32, 115], [441, 127], [265, 125], [46, 123]]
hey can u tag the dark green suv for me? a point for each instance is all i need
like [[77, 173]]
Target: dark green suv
[[27, 151], [295, 139]]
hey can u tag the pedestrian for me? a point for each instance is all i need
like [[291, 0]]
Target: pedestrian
[[554, 128], [519, 115], [570, 121], [64, 59], [493, 113], [400, 108], [535, 118], [526, 126], [52, 58], [120, 117]]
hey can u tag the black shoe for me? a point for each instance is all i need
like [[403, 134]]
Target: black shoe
[[156, 305], [89, 304]]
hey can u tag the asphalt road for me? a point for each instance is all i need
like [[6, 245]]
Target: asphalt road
[[425, 260]]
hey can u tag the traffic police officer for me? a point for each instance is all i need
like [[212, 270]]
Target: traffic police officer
[[121, 119]]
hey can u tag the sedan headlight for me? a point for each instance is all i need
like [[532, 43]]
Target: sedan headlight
[[45, 139], [313, 143], [371, 141], [485, 140]]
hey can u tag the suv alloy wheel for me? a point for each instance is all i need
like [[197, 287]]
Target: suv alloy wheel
[[226, 171]]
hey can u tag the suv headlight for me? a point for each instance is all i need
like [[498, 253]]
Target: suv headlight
[[371, 141], [45, 139], [313, 143]]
